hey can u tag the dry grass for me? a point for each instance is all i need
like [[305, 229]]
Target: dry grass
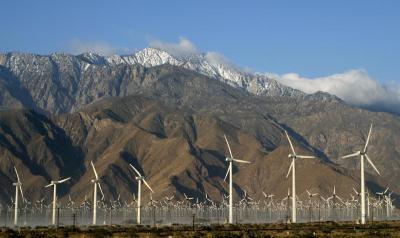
[[388, 229]]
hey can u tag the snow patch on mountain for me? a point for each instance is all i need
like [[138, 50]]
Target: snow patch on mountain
[[210, 64]]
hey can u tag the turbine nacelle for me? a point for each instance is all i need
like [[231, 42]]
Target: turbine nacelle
[[53, 183], [139, 178], [228, 159]]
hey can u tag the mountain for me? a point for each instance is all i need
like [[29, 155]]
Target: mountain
[[169, 122], [61, 83], [211, 65]]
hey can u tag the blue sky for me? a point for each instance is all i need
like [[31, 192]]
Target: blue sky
[[311, 38]]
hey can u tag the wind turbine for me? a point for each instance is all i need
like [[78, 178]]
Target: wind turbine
[[96, 183], [363, 154], [266, 196], [18, 187], [230, 160], [188, 200], [310, 195], [54, 184], [140, 178], [292, 168]]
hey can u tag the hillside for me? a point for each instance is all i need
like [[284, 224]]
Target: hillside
[[172, 127]]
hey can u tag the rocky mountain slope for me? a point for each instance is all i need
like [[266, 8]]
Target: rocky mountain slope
[[171, 126], [61, 83]]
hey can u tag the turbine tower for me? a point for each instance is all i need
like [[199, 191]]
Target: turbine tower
[[140, 178], [96, 183], [18, 187], [292, 168], [54, 184], [230, 160], [363, 154]]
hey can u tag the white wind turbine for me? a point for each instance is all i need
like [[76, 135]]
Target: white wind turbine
[[18, 187], [54, 184], [230, 160], [188, 200], [292, 168], [310, 195], [96, 183], [363, 154], [140, 178]]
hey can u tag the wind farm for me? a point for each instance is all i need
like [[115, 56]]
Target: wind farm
[[200, 119], [168, 210]]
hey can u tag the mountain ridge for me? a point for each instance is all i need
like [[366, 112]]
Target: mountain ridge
[[72, 69], [172, 129]]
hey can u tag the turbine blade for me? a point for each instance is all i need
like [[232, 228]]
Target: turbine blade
[[339, 198], [290, 168], [369, 136], [305, 157], [135, 170], [265, 195], [22, 194], [101, 191], [94, 170], [242, 161], [229, 148], [372, 164], [64, 180], [16, 172], [227, 172], [386, 190], [48, 185], [308, 192], [351, 155], [290, 142], [144, 181]]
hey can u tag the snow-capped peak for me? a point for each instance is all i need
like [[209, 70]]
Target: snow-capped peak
[[210, 64]]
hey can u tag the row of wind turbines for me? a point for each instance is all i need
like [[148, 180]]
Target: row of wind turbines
[[230, 159], [292, 169], [96, 184]]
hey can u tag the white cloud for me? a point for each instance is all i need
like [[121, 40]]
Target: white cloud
[[354, 86], [216, 58], [183, 48], [102, 48]]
